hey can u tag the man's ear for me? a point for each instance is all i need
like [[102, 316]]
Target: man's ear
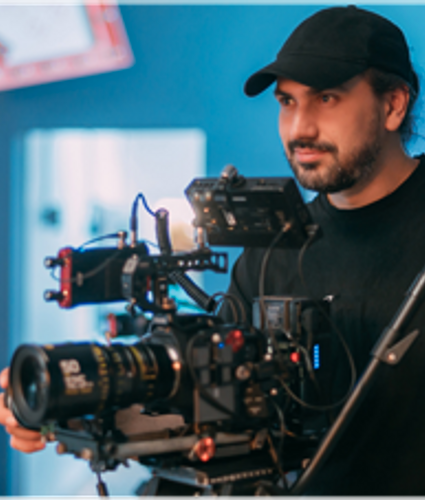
[[396, 104]]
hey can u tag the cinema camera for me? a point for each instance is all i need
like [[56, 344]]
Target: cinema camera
[[234, 399]]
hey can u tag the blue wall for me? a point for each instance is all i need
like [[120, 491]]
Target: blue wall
[[191, 63]]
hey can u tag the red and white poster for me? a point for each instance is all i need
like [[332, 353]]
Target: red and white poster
[[45, 43]]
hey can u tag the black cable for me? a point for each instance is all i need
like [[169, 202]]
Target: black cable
[[133, 216], [331, 323], [99, 238], [141, 196], [270, 330], [233, 299], [261, 286], [97, 269], [242, 297], [80, 277], [309, 241], [280, 445], [232, 307], [79, 249]]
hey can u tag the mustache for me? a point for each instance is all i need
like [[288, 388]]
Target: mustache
[[318, 146]]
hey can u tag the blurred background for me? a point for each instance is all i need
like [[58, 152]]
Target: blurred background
[[99, 102]]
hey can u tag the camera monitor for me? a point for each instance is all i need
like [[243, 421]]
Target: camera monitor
[[249, 212]]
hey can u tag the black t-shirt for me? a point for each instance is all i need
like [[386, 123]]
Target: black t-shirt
[[366, 260]]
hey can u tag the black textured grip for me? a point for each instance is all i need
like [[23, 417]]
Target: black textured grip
[[203, 300]]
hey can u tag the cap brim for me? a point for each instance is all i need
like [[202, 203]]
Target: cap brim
[[317, 72]]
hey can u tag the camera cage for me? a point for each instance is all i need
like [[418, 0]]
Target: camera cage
[[229, 211]]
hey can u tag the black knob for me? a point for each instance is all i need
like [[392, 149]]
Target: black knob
[[50, 295], [51, 262]]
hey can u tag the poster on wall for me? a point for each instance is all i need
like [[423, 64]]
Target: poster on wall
[[46, 43]]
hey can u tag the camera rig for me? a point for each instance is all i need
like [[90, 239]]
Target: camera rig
[[210, 406]]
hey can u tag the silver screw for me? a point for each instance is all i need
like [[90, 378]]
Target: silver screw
[[216, 338], [242, 372], [61, 448], [392, 358], [86, 454], [50, 436]]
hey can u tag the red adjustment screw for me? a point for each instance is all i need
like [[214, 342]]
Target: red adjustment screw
[[235, 339], [205, 449]]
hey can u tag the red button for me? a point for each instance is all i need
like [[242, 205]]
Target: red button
[[235, 339], [205, 449], [295, 357]]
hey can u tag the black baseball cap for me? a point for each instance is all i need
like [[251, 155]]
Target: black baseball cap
[[334, 45]]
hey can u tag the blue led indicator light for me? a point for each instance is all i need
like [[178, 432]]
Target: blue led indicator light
[[316, 356], [221, 345]]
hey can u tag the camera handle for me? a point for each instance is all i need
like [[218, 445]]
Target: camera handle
[[206, 302], [385, 351]]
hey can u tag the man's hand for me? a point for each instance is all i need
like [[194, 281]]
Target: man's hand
[[20, 438]]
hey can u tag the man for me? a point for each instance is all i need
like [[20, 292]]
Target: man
[[346, 88]]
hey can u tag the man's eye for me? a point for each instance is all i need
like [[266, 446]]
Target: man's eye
[[325, 98], [285, 101]]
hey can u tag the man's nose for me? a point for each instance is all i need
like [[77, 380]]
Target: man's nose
[[304, 125]]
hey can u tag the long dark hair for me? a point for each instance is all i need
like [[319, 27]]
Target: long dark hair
[[381, 83]]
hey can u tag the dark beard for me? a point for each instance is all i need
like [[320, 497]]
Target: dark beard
[[340, 175]]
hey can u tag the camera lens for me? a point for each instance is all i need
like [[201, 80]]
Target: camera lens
[[29, 384], [58, 382]]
